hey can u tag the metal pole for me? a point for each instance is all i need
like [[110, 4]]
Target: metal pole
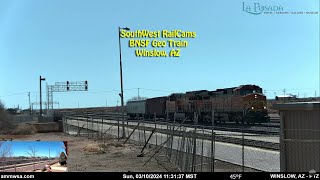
[[193, 168], [155, 127], [47, 98], [243, 144], [202, 141], [102, 127], [29, 103], [92, 134], [183, 149], [63, 124], [212, 142], [172, 127], [132, 133], [177, 162], [40, 100], [67, 125], [144, 131], [122, 108], [167, 132], [78, 123], [41, 79], [87, 125], [118, 129]]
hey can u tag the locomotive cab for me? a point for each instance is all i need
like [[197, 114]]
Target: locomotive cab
[[254, 108]]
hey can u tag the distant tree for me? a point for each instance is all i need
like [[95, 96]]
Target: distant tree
[[57, 154], [5, 151], [33, 153], [2, 107], [5, 120]]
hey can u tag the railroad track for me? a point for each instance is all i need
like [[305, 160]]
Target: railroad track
[[218, 137], [232, 128], [266, 129]]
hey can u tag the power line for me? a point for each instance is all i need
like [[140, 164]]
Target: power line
[[16, 94]]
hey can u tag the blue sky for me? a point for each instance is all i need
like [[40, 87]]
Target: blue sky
[[20, 148], [77, 40]]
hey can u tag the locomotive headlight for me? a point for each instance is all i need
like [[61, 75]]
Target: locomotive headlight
[[264, 107], [252, 107], [255, 96]]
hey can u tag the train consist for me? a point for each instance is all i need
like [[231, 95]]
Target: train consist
[[245, 104]]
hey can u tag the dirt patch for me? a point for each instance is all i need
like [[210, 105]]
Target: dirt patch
[[88, 155]]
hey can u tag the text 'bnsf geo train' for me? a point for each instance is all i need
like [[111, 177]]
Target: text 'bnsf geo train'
[[245, 103]]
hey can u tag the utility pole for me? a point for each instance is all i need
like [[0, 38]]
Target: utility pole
[[36, 100], [121, 94], [41, 79], [138, 93], [47, 98], [29, 103], [40, 98], [284, 94]]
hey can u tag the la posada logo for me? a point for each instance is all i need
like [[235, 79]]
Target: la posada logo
[[258, 8]]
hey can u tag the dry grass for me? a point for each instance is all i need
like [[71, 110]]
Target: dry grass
[[92, 147], [24, 129], [103, 146], [7, 127]]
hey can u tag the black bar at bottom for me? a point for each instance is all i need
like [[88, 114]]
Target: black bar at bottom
[[156, 175]]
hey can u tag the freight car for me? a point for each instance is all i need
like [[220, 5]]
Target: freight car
[[147, 108], [245, 103], [136, 108]]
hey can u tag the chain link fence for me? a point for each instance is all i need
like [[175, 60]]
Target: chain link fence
[[189, 148]]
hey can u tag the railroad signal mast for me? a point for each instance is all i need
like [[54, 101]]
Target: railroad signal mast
[[64, 87]]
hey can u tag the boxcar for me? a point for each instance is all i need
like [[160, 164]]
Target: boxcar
[[156, 106], [136, 108]]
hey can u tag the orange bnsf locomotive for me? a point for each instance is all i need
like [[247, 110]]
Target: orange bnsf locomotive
[[245, 103]]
